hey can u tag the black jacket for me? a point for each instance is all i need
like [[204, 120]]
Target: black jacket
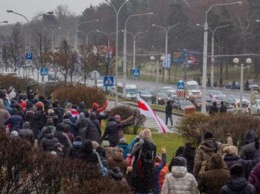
[[48, 142], [93, 131], [168, 109], [238, 185]]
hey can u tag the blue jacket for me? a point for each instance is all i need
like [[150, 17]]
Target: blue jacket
[[157, 171], [15, 121], [126, 147]]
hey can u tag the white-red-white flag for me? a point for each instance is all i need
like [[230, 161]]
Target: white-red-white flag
[[147, 111]]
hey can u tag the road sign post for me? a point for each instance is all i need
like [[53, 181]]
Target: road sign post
[[29, 56], [181, 89], [136, 73], [95, 75], [108, 81]]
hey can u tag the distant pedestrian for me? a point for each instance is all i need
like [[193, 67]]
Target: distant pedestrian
[[168, 113], [222, 108], [213, 109]]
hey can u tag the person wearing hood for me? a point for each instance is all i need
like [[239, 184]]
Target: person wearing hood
[[15, 122], [250, 149], [206, 149], [4, 115], [237, 183], [111, 132], [49, 124], [254, 177], [49, 141], [125, 146], [179, 180], [93, 131], [82, 125], [27, 133], [215, 176], [87, 153], [62, 137], [82, 109], [39, 119], [75, 150], [57, 110], [71, 121]]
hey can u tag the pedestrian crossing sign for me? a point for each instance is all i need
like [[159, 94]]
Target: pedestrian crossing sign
[[136, 73], [44, 71], [108, 81]]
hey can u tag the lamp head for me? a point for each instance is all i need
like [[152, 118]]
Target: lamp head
[[9, 11], [150, 13], [239, 3], [236, 60], [152, 58], [248, 60], [257, 20], [5, 22], [49, 13], [153, 25], [97, 20]]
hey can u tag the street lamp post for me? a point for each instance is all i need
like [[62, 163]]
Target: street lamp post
[[117, 11], [205, 53], [125, 48], [236, 61], [212, 50], [166, 47], [29, 22], [134, 43], [88, 36], [76, 34]]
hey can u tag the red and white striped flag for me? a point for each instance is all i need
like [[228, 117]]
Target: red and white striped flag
[[147, 111]]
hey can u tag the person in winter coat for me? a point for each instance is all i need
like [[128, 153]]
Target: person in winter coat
[[49, 124], [144, 152], [179, 181], [39, 119], [115, 159], [206, 149], [111, 132], [160, 163], [93, 131], [51, 114], [26, 133], [237, 184], [118, 119], [125, 146], [82, 125], [15, 122], [75, 150], [82, 109], [250, 150], [215, 175], [57, 110], [4, 115], [63, 138], [231, 157], [213, 109], [47, 143], [254, 177], [168, 113], [71, 121], [95, 106], [87, 153]]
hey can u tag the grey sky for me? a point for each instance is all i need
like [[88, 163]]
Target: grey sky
[[31, 8]]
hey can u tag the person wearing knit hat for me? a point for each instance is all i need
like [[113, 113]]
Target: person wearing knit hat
[[237, 183], [206, 149], [96, 107], [179, 180], [118, 119]]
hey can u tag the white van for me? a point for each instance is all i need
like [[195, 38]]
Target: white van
[[192, 89], [130, 93]]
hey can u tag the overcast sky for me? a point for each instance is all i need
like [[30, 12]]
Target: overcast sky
[[31, 8]]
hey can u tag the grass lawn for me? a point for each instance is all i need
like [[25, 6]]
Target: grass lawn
[[170, 141]]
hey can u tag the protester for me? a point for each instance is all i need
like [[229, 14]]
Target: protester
[[27, 133], [237, 183], [14, 122], [168, 113], [118, 119], [159, 173], [213, 109], [4, 115], [254, 177], [50, 125], [223, 107], [125, 146], [48, 142], [87, 153], [75, 150], [63, 138], [179, 180], [93, 131]]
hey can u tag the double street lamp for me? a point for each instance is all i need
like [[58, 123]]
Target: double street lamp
[[117, 12], [212, 51], [242, 67], [166, 65], [29, 22], [125, 48], [205, 53]]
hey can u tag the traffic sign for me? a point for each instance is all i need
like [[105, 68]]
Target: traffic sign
[[136, 73], [180, 94], [180, 85], [95, 75], [44, 71], [29, 56], [167, 61], [108, 81]]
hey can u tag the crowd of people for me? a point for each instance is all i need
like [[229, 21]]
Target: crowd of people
[[74, 131]]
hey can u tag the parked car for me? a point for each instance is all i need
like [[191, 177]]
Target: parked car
[[146, 95], [255, 108], [254, 87], [182, 104], [162, 98], [235, 101], [197, 102], [230, 85], [215, 94], [170, 91]]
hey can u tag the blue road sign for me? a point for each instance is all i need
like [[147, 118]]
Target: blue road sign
[[108, 81], [29, 56], [180, 85], [167, 61], [136, 73], [44, 71]]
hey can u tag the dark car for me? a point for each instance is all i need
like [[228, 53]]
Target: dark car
[[231, 85], [146, 95], [162, 98], [182, 104], [197, 102], [235, 101]]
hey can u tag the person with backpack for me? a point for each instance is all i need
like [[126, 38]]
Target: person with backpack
[[144, 152]]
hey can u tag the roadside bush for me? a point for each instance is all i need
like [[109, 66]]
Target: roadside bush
[[20, 84], [47, 89], [126, 112], [193, 126], [46, 173], [79, 93]]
